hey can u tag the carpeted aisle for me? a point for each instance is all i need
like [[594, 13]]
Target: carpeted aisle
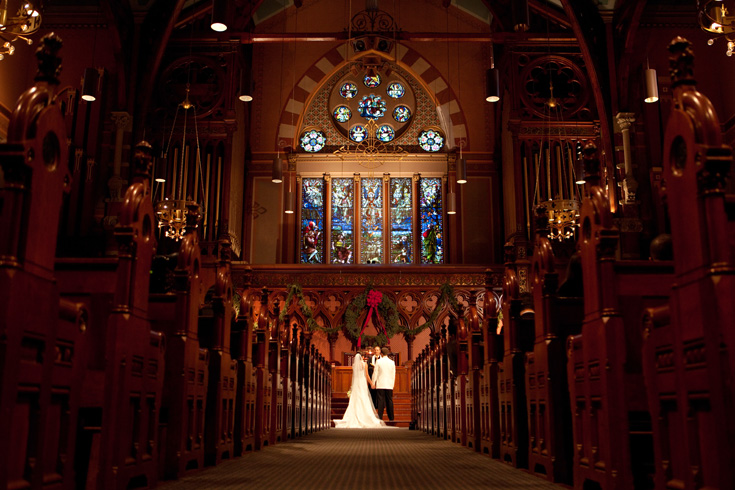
[[362, 458]]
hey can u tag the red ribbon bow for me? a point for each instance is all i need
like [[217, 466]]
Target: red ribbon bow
[[373, 300]]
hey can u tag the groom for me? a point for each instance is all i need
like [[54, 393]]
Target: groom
[[384, 377]]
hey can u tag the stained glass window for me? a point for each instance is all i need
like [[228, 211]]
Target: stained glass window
[[430, 211], [401, 113], [357, 133], [342, 113], [371, 81], [401, 229], [312, 221], [313, 141], [342, 221], [372, 221], [372, 107], [396, 90], [348, 90], [431, 140], [386, 133]]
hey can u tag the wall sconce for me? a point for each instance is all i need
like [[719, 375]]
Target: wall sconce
[[90, 84], [651, 86], [219, 15]]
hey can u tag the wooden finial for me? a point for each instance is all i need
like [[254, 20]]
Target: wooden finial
[[49, 61], [681, 62]]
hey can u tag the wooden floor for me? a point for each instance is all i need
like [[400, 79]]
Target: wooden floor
[[392, 458]]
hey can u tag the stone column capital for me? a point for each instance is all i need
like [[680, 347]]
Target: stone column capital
[[625, 120], [121, 119]]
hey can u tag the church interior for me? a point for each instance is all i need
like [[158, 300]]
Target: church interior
[[207, 207]]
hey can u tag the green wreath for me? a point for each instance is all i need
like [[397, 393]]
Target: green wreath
[[295, 290], [386, 309]]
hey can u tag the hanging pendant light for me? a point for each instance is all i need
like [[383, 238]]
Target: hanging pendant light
[[651, 85], [289, 202], [492, 87], [219, 15], [89, 84], [277, 171], [451, 202]]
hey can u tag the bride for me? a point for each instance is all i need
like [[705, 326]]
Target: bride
[[360, 412]]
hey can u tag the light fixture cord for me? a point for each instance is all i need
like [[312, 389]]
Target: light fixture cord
[[280, 79], [183, 151], [199, 160]]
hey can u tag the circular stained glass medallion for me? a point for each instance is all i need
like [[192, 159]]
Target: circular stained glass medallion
[[372, 107], [396, 90], [386, 133], [371, 81], [401, 113], [342, 113], [431, 140], [348, 90], [358, 133], [313, 141]]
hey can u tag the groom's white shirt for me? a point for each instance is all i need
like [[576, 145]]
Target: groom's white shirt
[[384, 375]]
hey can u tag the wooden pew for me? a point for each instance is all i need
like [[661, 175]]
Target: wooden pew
[[474, 362], [547, 390], [274, 370], [492, 353], [242, 345], [511, 372], [42, 346], [123, 382], [262, 375], [607, 394], [187, 365], [219, 441], [688, 347]]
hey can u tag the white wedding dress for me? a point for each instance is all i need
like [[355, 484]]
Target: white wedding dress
[[360, 413]]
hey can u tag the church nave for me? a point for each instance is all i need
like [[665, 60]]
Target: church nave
[[362, 458]]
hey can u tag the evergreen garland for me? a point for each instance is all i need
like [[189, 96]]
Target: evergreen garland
[[386, 309], [295, 290]]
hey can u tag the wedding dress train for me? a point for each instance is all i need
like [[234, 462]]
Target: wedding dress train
[[360, 413]]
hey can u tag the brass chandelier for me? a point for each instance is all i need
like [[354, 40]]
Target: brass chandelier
[[180, 214], [17, 24], [715, 18]]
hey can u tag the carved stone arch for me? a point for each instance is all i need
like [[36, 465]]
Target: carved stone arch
[[313, 79]]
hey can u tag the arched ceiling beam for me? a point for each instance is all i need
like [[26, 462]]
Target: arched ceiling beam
[[627, 22], [591, 31], [157, 28]]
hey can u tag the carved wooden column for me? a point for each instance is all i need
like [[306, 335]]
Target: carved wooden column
[[629, 184], [629, 224], [122, 122]]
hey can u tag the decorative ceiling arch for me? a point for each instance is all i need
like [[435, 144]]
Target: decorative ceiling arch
[[331, 62]]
